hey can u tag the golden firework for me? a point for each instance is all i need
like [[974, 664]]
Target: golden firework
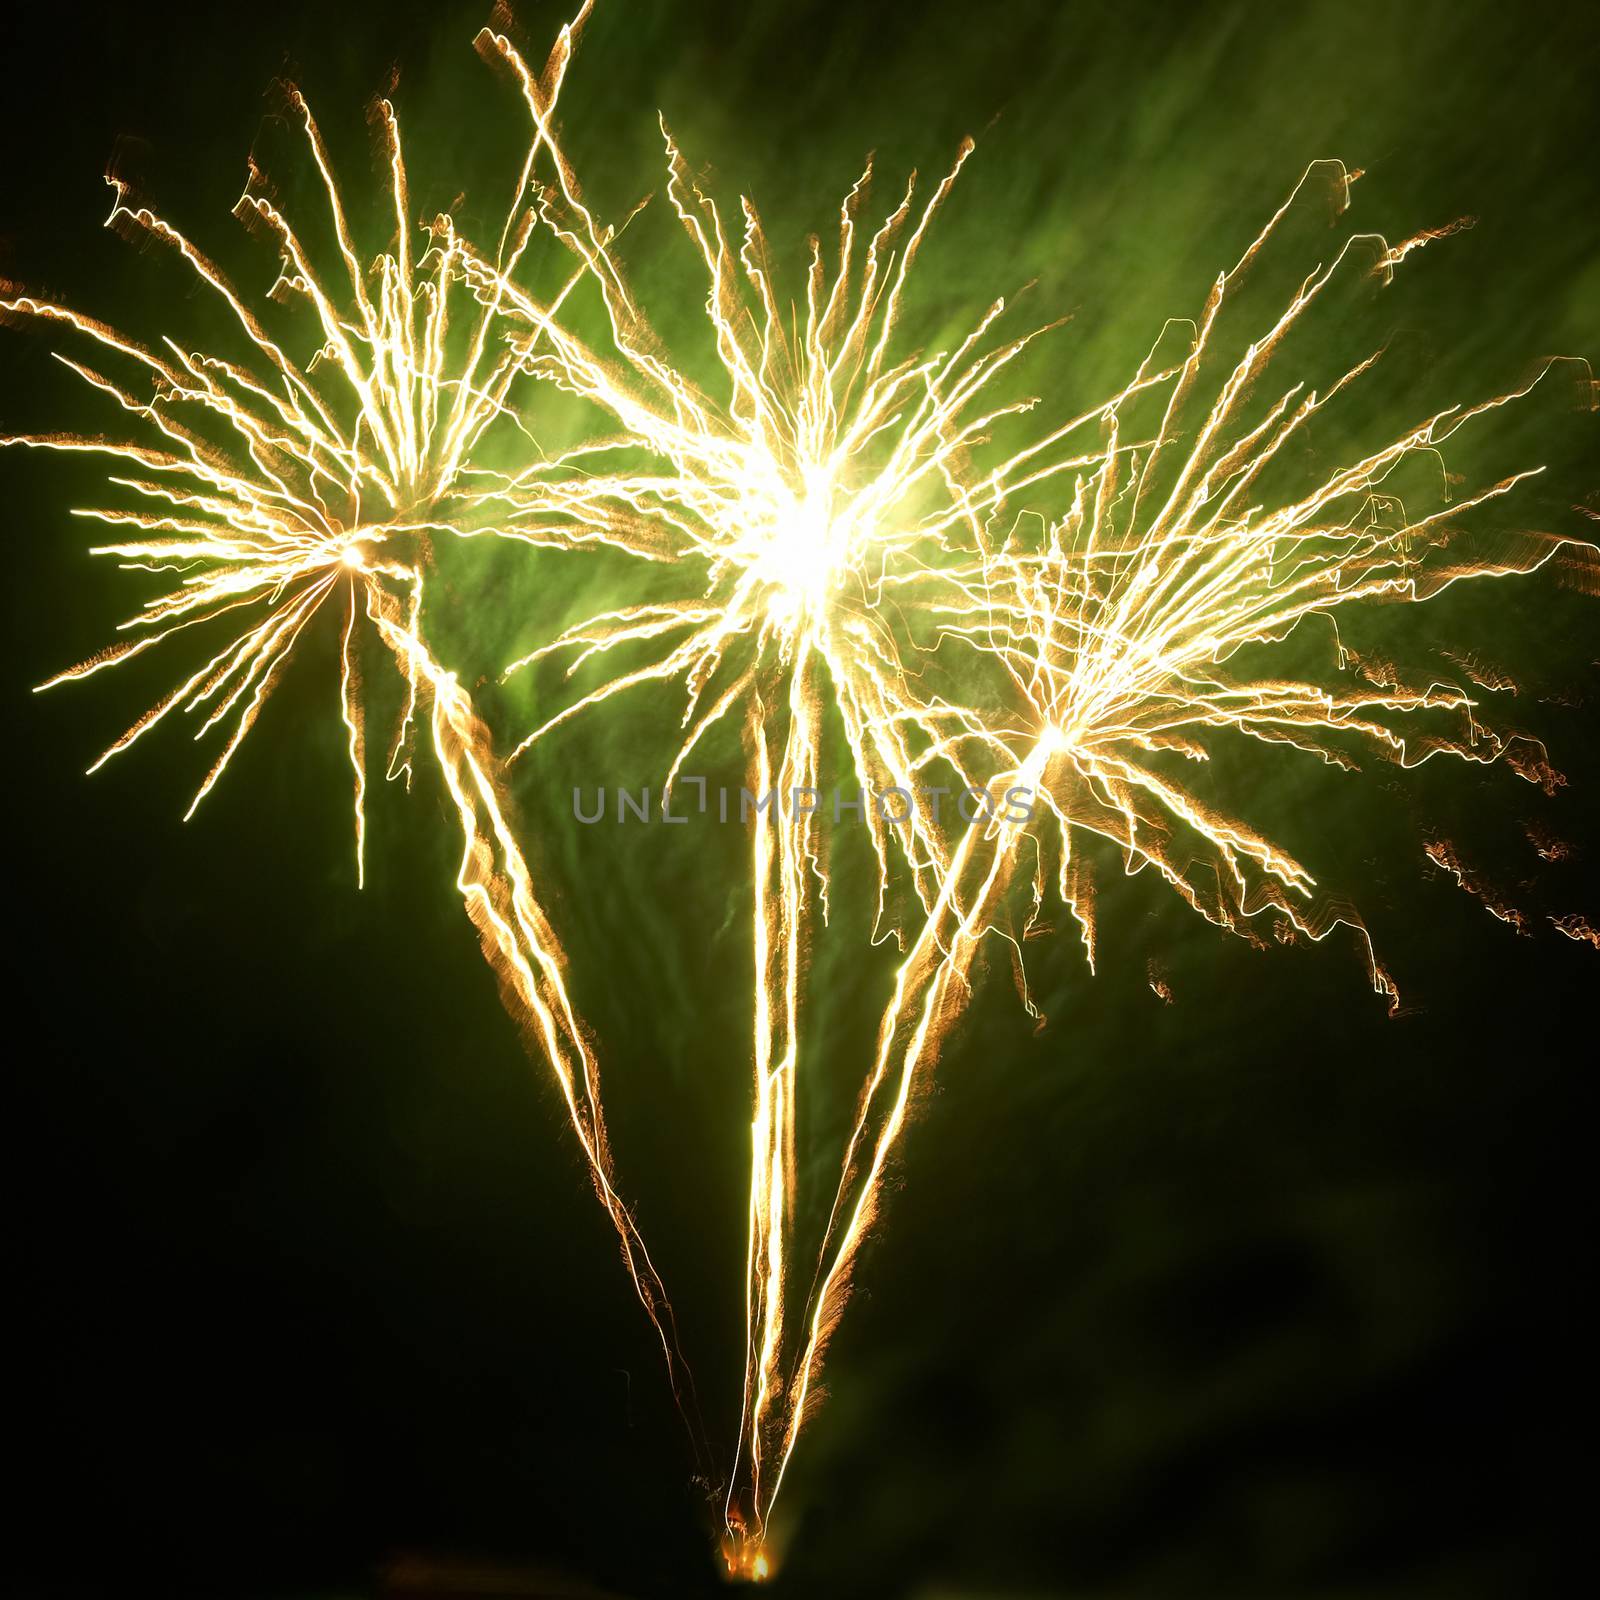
[[1058, 613], [1138, 629], [272, 485]]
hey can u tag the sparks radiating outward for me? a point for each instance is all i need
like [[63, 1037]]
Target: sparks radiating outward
[[830, 466], [837, 489], [1123, 636], [854, 535], [273, 486]]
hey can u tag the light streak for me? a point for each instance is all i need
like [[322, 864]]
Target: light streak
[[843, 517], [272, 486], [832, 480], [811, 498], [1123, 636]]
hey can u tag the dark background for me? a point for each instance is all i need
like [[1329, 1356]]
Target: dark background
[[1260, 1294]]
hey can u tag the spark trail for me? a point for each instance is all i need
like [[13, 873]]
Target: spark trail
[[851, 536], [828, 466], [1122, 637], [834, 493], [272, 487]]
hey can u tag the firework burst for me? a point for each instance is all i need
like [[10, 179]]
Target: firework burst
[[835, 499], [846, 531], [813, 502], [273, 486], [1132, 632]]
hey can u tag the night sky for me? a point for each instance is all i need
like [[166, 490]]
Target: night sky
[[1259, 1293]]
